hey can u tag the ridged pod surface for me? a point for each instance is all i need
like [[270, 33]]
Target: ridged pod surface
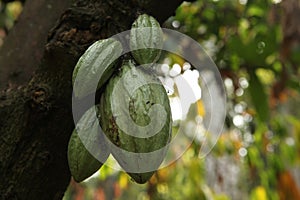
[[137, 120], [82, 163], [146, 39], [95, 66]]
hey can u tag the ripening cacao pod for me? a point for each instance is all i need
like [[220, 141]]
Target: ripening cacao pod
[[87, 138], [95, 66], [146, 39], [137, 120]]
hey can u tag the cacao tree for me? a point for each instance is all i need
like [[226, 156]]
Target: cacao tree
[[36, 64]]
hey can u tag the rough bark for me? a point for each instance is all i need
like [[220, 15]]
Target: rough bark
[[36, 117]]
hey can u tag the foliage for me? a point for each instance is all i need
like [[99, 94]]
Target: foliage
[[245, 40]]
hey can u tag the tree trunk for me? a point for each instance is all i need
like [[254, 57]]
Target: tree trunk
[[36, 117]]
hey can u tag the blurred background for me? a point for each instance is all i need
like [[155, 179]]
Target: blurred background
[[256, 47]]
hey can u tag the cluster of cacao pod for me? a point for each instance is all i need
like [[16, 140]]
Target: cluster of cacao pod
[[134, 111]]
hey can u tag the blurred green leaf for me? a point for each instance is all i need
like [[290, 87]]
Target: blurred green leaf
[[255, 11], [259, 97]]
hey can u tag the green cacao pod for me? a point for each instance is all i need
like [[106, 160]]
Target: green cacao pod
[[146, 39], [95, 66], [86, 138], [137, 120]]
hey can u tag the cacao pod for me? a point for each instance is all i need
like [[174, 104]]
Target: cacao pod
[[86, 138], [137, 120], [95, 66], [146, 39]]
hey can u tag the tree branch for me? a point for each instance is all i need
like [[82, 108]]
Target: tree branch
[[22, 50]]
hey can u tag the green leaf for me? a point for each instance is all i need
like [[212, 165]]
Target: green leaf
[[259, 97], [255, 11]]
